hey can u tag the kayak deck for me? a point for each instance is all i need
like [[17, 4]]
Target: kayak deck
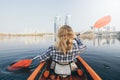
[[88, 73]]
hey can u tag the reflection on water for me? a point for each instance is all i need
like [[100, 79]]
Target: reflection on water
[[97, 41], [26, 39], [102, 41], [103, 55], [101, 58]]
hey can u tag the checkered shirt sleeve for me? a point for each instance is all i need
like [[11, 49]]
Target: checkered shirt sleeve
[[45, 55]]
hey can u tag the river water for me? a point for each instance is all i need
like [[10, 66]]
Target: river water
[[102, 54]]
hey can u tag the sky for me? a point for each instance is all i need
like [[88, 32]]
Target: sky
[[29, 16]]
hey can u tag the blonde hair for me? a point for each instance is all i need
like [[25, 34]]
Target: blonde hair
[[65, 38]]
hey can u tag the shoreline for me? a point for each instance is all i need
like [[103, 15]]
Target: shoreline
[[88, 34], [31, 34]]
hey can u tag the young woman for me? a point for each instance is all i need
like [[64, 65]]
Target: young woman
[[64, 52]]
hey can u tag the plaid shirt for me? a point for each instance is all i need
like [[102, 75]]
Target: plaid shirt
[[59, 56]]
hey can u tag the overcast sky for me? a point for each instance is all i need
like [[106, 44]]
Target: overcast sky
[[18, 16]]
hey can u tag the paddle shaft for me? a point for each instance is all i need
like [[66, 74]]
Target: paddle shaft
[[35, 57]]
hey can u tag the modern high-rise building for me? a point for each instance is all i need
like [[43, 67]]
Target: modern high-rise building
[[56, 25], [68, 20]]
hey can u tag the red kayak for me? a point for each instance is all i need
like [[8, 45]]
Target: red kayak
[[88, 73]]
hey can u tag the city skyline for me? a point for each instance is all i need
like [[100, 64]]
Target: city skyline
[[28, 16]]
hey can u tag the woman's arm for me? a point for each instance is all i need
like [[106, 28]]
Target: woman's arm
[[45, 55], [80, 46]]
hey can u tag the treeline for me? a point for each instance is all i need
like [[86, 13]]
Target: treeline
[[32, 34]]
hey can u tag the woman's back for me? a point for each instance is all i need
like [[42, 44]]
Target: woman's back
[[67, 47]]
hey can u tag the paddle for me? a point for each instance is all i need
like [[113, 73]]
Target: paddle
[[102, 22], [21, 64]]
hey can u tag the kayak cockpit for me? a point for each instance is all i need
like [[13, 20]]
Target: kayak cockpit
[[88, 73], [53, 76]]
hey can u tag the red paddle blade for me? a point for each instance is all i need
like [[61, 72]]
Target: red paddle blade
[[102, 22], [20, 64]]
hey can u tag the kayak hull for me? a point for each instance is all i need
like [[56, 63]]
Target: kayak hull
[[89, 73]]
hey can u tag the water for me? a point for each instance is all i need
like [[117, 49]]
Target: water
[[102, 54]]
